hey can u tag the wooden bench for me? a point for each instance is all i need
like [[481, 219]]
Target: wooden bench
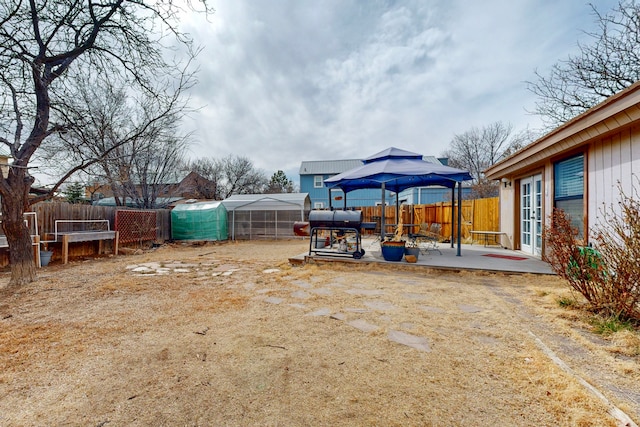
[[84, 235], [486, 235]]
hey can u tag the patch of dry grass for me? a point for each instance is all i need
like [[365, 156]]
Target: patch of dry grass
[[203, 348]]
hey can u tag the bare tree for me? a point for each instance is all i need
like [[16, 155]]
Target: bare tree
[[132, 140], [610, 63], [477, 149], [212, 170], [231, 175], [45, 48]]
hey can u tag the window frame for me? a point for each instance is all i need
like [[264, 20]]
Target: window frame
[[571, 196]]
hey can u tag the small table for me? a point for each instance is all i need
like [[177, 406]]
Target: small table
[[487, 234]]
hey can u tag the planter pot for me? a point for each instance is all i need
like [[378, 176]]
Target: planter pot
[[412, 251], [392, 251], [45, 257]]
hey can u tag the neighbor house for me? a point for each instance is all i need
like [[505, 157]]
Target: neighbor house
[[313, 174], [430, 195], [192, 186], [579, 167]]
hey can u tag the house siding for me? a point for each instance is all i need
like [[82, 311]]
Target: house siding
[[608, 135], [357, 198], [611, 165]]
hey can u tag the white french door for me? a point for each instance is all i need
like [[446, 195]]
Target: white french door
[[531, 215]]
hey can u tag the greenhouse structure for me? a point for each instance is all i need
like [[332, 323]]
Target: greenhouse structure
[[265, 216], [199, 221]]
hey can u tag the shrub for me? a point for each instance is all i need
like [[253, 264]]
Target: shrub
[[569, 259], [609, 277], [619, 246]]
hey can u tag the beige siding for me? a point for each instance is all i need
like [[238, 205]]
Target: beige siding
[[507, 203], [612, 162]]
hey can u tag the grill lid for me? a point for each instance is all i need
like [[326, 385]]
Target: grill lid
[[335, 219]]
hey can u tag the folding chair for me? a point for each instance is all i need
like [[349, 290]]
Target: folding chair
[[427, 238]]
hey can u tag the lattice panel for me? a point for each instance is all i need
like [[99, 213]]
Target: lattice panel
[[136, 226]]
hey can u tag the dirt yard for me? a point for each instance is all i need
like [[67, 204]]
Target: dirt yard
[[231, 334]]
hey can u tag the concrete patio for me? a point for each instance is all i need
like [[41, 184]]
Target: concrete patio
[[473, 257]]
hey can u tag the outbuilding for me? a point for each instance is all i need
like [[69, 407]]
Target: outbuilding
[[265, 216]]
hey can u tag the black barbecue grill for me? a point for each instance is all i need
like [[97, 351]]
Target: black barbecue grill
[[336, 233], [335, 219]]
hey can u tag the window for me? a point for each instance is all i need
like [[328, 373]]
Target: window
[[318, 205], [318, 181], [569, 190]]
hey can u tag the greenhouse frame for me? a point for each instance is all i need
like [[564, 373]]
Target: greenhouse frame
[[265, 216]]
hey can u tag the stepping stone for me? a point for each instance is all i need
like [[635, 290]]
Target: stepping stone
[[407, 325], [321, 291], [356, 310], [363, 325], [338, 316], [270, 270], [320, 312], [263, 291], [273, 300], [413, 341], [366, 292], [181, 270], [336, 285], [470, 308], [302, 284], [298, 305], [300, 295], [380, 305], [430, 309], [143, 269], [410, 282], [485, 339], [416, 297]]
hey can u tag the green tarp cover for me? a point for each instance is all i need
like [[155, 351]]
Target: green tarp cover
[[199, 221]]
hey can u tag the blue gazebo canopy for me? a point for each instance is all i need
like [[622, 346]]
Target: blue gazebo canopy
[[396, 170]]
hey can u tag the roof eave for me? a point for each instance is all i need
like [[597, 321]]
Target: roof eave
[[621, 110]]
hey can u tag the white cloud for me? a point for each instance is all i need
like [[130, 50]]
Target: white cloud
[[287, 81]]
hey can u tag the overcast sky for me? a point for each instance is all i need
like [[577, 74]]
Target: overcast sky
[[282, 82]]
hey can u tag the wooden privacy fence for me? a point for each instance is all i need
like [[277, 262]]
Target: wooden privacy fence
[[477, 214], [157, 224]]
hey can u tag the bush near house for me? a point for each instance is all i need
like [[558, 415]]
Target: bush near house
[[606, 275]]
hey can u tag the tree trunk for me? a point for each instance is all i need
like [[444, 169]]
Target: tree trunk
[[14, 204]]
